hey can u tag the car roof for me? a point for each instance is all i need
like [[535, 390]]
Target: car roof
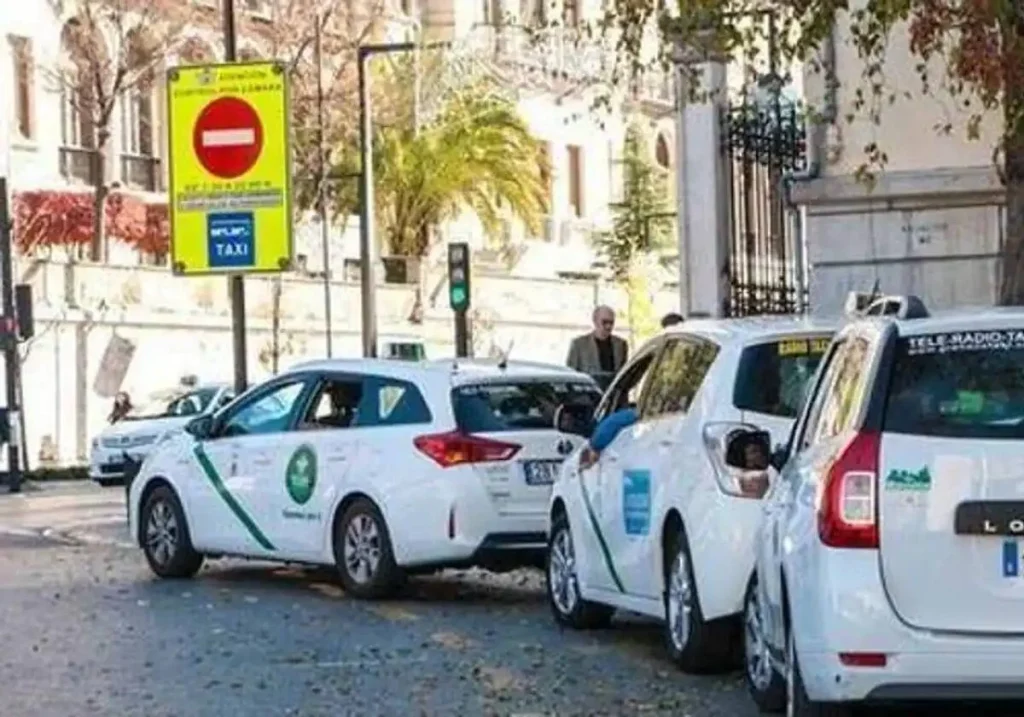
[[975, 318], [459, 370], [754, 328]]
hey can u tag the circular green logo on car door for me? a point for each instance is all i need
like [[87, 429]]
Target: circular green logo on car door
[[300, 475]]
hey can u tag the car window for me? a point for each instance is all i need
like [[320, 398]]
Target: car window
[[837, 403], [629, 385], [516, 405], [677, 376], [269, 412], [958, 385], [191, 404], [336, 403], [773, 377], [390, 402]]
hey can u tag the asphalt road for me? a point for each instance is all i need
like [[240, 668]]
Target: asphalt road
[[86, 630]]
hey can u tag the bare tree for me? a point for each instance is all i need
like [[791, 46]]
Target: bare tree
[[110, 49]]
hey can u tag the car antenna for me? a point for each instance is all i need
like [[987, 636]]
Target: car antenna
[[503, 362]]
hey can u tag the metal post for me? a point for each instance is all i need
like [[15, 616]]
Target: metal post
[[10, 348], [236, 282], [461, 334], [321, 183], [367, 253]]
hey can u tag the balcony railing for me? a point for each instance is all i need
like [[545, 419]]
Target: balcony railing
[[141, 172], [76, 164], [561, 57]]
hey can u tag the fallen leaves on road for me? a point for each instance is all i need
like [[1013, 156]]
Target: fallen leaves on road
[[327, 590], [394, 613], [452, 640], [497, 679]]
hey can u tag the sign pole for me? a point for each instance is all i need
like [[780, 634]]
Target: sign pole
[[367, 246], [236, 282], [10, 343]]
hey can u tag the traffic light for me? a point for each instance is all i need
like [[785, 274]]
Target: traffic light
[[458, 276]]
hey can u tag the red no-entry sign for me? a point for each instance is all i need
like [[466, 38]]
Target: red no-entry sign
[[228, 137]]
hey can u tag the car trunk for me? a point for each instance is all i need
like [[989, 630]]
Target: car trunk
[[951, 483], [519, 412]]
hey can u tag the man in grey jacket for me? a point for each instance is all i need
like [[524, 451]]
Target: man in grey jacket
[[599, 353]]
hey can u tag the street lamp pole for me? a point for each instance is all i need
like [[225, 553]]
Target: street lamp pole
[[321, 182], [367, 246]]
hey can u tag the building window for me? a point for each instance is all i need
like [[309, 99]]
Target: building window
[[661, 153], [21, 57], [534, 13], [571, 13], [77, 109], [139, 167], [576, 179]]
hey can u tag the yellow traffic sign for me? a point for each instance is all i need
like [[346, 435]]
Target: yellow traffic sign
[[230, 168]]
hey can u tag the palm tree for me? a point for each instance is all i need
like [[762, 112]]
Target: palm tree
[[477, 154]]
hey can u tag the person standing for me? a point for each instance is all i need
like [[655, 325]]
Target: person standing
[[122, 407], [599, 353]]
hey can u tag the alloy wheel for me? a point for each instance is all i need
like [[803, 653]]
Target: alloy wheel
[[162, 533], [362, 548], [562, 573], [680, 601]]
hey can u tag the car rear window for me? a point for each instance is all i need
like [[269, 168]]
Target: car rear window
[[774, 377], [966, 384], [516, 405]]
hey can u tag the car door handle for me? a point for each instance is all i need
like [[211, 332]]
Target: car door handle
[[666, 443], [262, 461]]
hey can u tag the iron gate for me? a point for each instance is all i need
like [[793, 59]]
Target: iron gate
[[763, 143]]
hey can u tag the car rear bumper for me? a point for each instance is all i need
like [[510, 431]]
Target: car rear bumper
[[845, 610]]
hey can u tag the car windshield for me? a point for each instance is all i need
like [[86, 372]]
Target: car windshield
[[516, 405], [774, 377], [966, 384], [183, 404]]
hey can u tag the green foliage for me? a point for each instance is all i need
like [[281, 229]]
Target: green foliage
[[639, 225], [477, 154]]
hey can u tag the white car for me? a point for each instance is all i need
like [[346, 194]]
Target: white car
[[890, 561], [660, 525], [379, 467], [132, 438]]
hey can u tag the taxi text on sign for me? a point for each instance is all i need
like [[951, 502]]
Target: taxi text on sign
[[230, 168]]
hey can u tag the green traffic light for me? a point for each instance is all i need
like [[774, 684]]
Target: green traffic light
[[458, 295]]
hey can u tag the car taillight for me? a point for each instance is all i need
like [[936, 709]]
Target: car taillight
[[848, 511], [455, 448]]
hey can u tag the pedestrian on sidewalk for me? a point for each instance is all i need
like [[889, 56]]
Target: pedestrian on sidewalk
[[122, 407], [599, 353], [671, 319]]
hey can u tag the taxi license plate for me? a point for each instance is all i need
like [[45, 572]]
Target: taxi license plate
[[541, 472]]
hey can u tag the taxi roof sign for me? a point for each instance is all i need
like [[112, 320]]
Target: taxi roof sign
[[230, 168]]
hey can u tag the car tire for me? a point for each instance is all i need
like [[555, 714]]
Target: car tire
[[695, 645], [363, 553], [164, 534], [798, 704], [562, 583], [766, 686]]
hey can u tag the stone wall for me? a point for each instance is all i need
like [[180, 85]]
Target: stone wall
[[182, 326]]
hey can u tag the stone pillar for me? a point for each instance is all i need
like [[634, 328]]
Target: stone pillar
[[702, 191]]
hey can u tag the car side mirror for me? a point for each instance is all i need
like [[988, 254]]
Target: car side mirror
[[201, 427], [740, 454], [779, 457]]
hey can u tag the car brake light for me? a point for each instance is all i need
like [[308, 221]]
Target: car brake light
[[863, 659], [455, 448], [848, 510]]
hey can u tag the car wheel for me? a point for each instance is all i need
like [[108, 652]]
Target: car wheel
[[694, 644], [166, 541], [766, 686], [363, 554], [563, 588], [798, 704]]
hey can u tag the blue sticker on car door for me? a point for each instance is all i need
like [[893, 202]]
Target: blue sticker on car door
[[636, 501]]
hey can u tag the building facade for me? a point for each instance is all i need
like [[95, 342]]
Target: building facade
[[932, 222]]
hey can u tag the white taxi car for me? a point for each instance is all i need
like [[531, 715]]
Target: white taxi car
[[379, 467], [132, 438], [890, 561], [661, 524]]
